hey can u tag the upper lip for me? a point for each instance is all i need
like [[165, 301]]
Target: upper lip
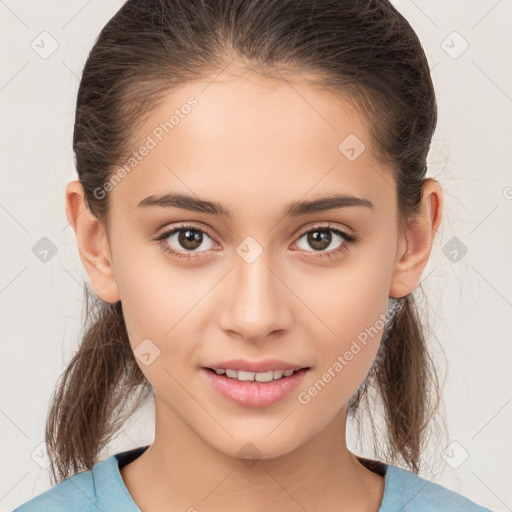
[[255, 366]]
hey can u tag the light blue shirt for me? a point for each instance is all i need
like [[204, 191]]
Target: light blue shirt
[[102, 489]]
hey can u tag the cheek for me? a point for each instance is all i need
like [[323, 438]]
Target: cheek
[[350, 301], [345, 357], [351, 305], [165, 305], [158, 305], [154, 293]]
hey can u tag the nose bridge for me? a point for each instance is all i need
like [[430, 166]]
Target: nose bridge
[[256, 305]]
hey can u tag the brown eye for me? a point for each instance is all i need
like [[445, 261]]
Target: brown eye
[[185, 240], [321, 238], [190, 239]]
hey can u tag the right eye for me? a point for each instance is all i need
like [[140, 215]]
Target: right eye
[[186, 237]]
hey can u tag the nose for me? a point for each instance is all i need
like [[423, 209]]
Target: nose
[[256, 301]]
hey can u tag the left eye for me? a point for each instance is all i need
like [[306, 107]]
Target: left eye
[[320, 238]]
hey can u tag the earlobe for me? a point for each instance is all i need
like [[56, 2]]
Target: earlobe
[[93, 244], [415, 247]]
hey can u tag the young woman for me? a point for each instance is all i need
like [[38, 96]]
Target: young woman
[[253, 212]]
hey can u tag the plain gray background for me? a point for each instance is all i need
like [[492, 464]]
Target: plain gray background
[[467, 281]]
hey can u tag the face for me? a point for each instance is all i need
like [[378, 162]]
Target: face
[[270, 280]]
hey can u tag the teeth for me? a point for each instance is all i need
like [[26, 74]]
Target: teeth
[[253, 376], [264, 376]]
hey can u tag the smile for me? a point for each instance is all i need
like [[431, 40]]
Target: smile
[[254, 389], [254, 376]]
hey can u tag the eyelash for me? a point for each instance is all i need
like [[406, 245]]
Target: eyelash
[[348, 240]]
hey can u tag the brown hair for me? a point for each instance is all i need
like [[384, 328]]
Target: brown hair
[[366, 50]]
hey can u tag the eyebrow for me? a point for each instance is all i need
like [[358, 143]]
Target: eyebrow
[[297, 209]]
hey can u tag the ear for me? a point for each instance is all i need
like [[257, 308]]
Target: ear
[[93, 244], [415, 246]]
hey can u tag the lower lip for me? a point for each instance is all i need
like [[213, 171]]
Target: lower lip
[[251, 393]]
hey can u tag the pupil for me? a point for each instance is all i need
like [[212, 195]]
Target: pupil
[[190, 239], [319, 242]]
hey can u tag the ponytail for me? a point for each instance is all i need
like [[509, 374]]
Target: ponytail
[[406, 381], [89, 404]]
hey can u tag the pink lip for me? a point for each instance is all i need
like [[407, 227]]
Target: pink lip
[[251, 393], [255, 366]]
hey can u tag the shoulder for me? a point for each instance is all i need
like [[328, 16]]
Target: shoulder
[[73, 494], [404, 490], [97, 490]]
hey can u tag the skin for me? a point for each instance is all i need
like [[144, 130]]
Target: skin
[[254, 144]]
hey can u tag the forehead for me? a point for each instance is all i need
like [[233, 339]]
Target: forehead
[[239, 137]]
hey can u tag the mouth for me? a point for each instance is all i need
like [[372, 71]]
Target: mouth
[[254, 389], [248, 376]]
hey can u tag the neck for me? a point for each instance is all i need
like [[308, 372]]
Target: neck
[[179, 471]]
